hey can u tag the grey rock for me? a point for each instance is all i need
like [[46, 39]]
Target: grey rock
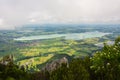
[[55, 64]]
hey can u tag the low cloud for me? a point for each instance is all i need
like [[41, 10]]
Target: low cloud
[[1, 21], [20, 12]]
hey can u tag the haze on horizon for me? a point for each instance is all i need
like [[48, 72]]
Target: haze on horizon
[[19, 12]]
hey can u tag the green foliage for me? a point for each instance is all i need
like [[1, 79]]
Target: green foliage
[[104, 65], [10, 71], [77, 70], [40, 76], [60, 74]]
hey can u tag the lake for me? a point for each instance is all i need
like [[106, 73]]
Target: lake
[[69, 36]]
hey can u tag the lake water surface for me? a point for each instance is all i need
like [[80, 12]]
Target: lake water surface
[[72, 36]]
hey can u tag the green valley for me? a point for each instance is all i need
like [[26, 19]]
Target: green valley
[[34, 54]]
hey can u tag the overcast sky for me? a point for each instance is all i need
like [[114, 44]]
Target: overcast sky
[[18, 12]]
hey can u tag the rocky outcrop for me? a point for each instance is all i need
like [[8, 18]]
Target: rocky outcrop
[[6, 60], [55, 64]]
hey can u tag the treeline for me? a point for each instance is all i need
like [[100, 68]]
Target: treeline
[[12, 72], [104, 65]]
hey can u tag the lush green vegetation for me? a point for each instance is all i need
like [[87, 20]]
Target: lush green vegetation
[[103, 65], [37, 53], [10, 71]]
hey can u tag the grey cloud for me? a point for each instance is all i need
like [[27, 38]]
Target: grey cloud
[[19, 12]]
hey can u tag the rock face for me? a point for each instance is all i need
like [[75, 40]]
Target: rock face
[[55, 64], [6, 60]]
